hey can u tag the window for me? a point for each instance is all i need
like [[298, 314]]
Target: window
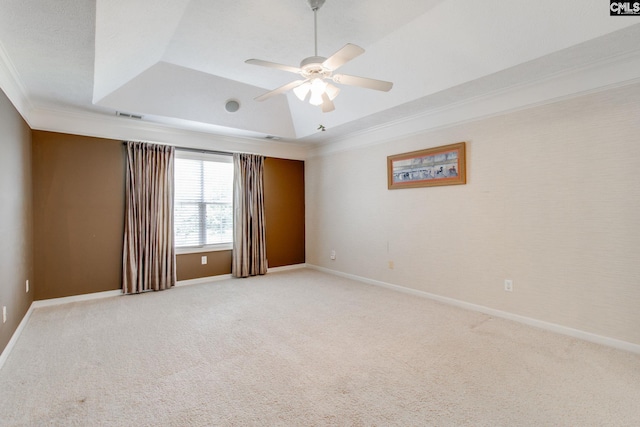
[[203, 204]]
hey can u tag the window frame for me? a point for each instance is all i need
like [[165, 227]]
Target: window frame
[[218, 157]]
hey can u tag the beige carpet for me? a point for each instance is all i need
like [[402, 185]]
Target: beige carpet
[[302, 348]]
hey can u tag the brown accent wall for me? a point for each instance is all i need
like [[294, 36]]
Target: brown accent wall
[[284, 211], [189, 266], [79, 184], [16, 258], [78, 214]]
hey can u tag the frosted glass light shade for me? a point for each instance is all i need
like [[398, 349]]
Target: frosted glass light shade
[[332, 91], [302, 91], [317, 87], [316, 98]]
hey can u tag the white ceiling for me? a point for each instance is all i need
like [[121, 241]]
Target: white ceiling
[[176, 62]]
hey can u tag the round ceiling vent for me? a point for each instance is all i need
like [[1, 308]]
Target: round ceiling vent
[[232, 106]]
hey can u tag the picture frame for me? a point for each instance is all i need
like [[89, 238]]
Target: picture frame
[[444, 165]]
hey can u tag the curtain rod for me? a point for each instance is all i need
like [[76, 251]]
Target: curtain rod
[[202, 150], [198, 150]]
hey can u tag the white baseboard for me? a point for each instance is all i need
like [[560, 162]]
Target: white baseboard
[[108, 294], [14, 338], [200, 280], [553, 327], [210, 279], [49, 303], [76, 298], [286, 268]]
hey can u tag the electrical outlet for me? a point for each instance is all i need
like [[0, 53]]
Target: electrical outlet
[[391, 265], [27, 285], [333, 255], [508, 285], [203, 260], [4, 313]]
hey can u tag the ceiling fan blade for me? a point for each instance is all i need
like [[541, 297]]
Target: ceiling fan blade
[[280, 90], [365, 82], [341, 57], [327, 104], [273, 65]]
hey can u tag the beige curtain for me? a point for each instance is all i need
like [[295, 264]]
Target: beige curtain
[[249, 248], [149, 257]]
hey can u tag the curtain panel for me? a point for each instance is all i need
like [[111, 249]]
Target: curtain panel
[[148, 255], [249, 247]]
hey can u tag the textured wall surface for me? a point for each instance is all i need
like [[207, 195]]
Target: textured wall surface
[[79, 195], [284, 211], [79, 200], [284, 214], [16, 260], [552, 202], [189, 266]]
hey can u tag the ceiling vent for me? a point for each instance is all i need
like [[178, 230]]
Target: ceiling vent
[[275, 138], [128, 115]]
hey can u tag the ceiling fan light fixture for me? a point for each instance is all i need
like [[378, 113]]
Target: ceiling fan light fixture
[[315, 69], [316, 99], [318, 87], [332, 91], [302, 91]]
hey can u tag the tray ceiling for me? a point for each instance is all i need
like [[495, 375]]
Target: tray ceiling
[[177, 62]]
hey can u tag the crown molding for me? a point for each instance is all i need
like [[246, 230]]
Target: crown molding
[[596, 77], [106, 126], [602, 75], [12, 86]]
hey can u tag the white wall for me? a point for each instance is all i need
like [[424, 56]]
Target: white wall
[[552, 201], [16, 258]]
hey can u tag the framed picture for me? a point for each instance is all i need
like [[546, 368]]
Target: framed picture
[[443, 165]]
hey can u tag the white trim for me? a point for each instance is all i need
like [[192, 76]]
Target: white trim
[[76, 298], [209, 248], [575, 333], [579, 81], [553, 327], [14, 338], [47, 303], [200, 280], [210, 279], [12, 86], [203, 155], [109, 126], [595, 77], [286, 268]]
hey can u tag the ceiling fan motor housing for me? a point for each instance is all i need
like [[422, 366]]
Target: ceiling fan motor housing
[[315, 69], [312, 62], [315, 4], [312, 67]]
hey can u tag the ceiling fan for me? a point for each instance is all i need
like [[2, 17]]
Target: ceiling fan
[[315, 70]]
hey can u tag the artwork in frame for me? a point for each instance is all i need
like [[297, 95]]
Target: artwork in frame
[[445, 165]]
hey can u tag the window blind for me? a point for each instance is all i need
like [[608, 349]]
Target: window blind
[[203, 200]]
